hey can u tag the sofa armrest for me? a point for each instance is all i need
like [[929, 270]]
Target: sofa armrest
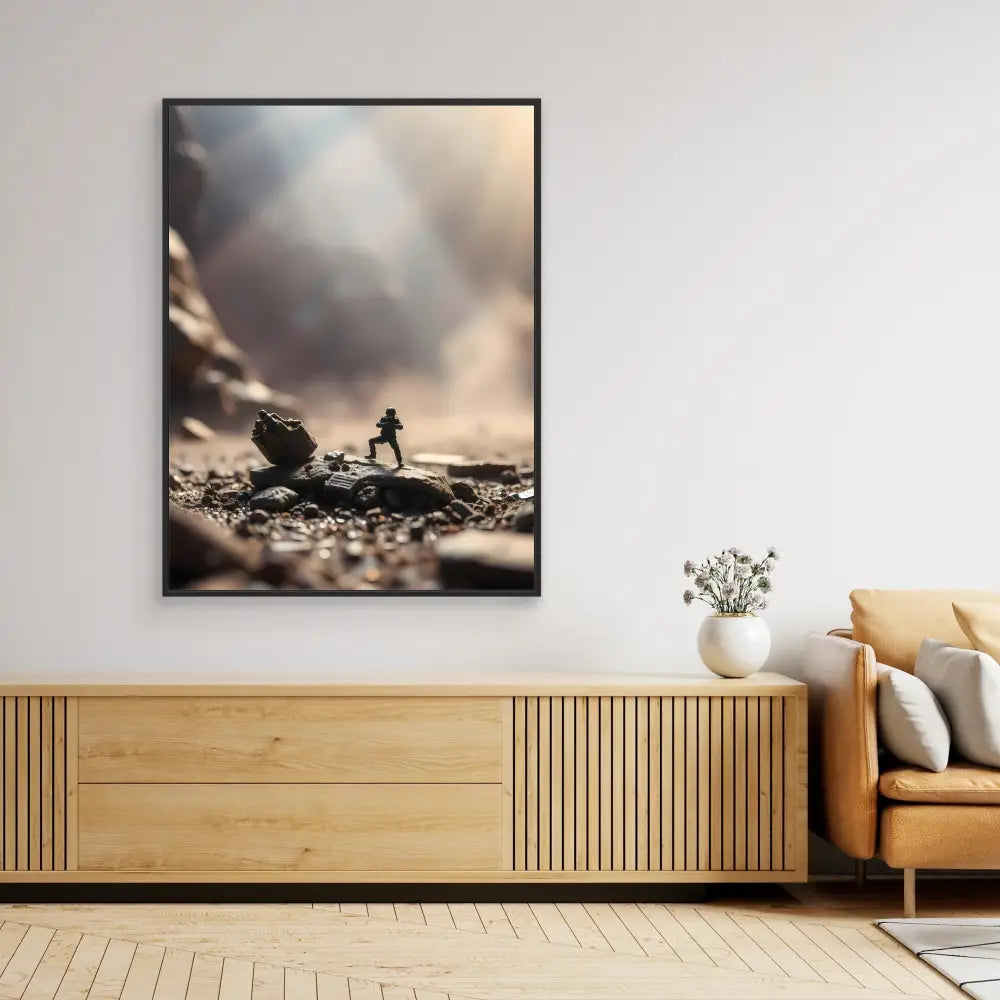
[[843, 750]]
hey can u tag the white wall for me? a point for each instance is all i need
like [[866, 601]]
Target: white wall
[[770, 316]]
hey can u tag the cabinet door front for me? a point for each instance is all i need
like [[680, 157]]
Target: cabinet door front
[[293, 739], [292, 827]]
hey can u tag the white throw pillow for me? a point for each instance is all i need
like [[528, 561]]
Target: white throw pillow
[[967, 683], [911, 723]]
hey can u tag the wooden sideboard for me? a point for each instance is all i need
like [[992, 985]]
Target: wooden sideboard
[[544, 779]]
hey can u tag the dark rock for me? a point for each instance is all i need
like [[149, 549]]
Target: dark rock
[[419, 491], [269, 475], [509, 477], [310, 511], [464, 491], [487, 560], [493, 471], [258, 517], [462, 509], [358, 483], [364, 485], [524, 518], [174, 483], [282, 442], [276, 498], [309, 479]]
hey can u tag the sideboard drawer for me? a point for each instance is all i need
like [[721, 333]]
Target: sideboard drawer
[[204, 739], [295, 827]]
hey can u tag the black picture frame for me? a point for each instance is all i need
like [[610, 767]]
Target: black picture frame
[[536, 590]]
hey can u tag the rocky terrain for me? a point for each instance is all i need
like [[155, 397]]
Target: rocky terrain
[[334, 521]]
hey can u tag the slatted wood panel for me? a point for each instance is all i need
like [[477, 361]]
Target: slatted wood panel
[[695, 784], [39, 791]]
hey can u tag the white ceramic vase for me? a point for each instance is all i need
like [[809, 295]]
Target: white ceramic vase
[[734, 645]]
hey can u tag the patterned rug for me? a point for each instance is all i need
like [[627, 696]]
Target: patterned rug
[[966, 951]]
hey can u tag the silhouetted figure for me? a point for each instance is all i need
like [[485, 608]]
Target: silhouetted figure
[[387, 425]]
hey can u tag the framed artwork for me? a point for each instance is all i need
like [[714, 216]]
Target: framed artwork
[[351, 347]]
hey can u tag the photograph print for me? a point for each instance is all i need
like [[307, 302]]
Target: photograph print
[[351, 347]]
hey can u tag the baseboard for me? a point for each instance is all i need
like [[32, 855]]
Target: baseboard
[[372, 893]]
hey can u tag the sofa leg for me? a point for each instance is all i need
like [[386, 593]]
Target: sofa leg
[[909, 892], [860, 872]]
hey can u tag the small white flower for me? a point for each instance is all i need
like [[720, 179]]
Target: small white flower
[[743, 570], [729, 591], [764, 584], [688, 596], [756, 598], [702, 580], [727, 559], [762, 605], [772, 553], [689, 568], [769, 564]]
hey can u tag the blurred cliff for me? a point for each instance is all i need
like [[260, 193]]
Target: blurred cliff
[[208, 376]]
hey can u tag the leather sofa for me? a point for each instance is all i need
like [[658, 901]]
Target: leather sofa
[[863, 801]]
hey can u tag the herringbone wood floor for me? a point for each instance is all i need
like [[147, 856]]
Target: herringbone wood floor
[[779, 947]]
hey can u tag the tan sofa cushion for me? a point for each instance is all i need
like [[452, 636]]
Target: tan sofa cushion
[[960, 783], [980, 621], [940, 836], [895, 622]]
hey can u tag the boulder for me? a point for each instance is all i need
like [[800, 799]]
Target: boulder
[[282, 442], [464, 491], [276, 499], [266, 476]]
